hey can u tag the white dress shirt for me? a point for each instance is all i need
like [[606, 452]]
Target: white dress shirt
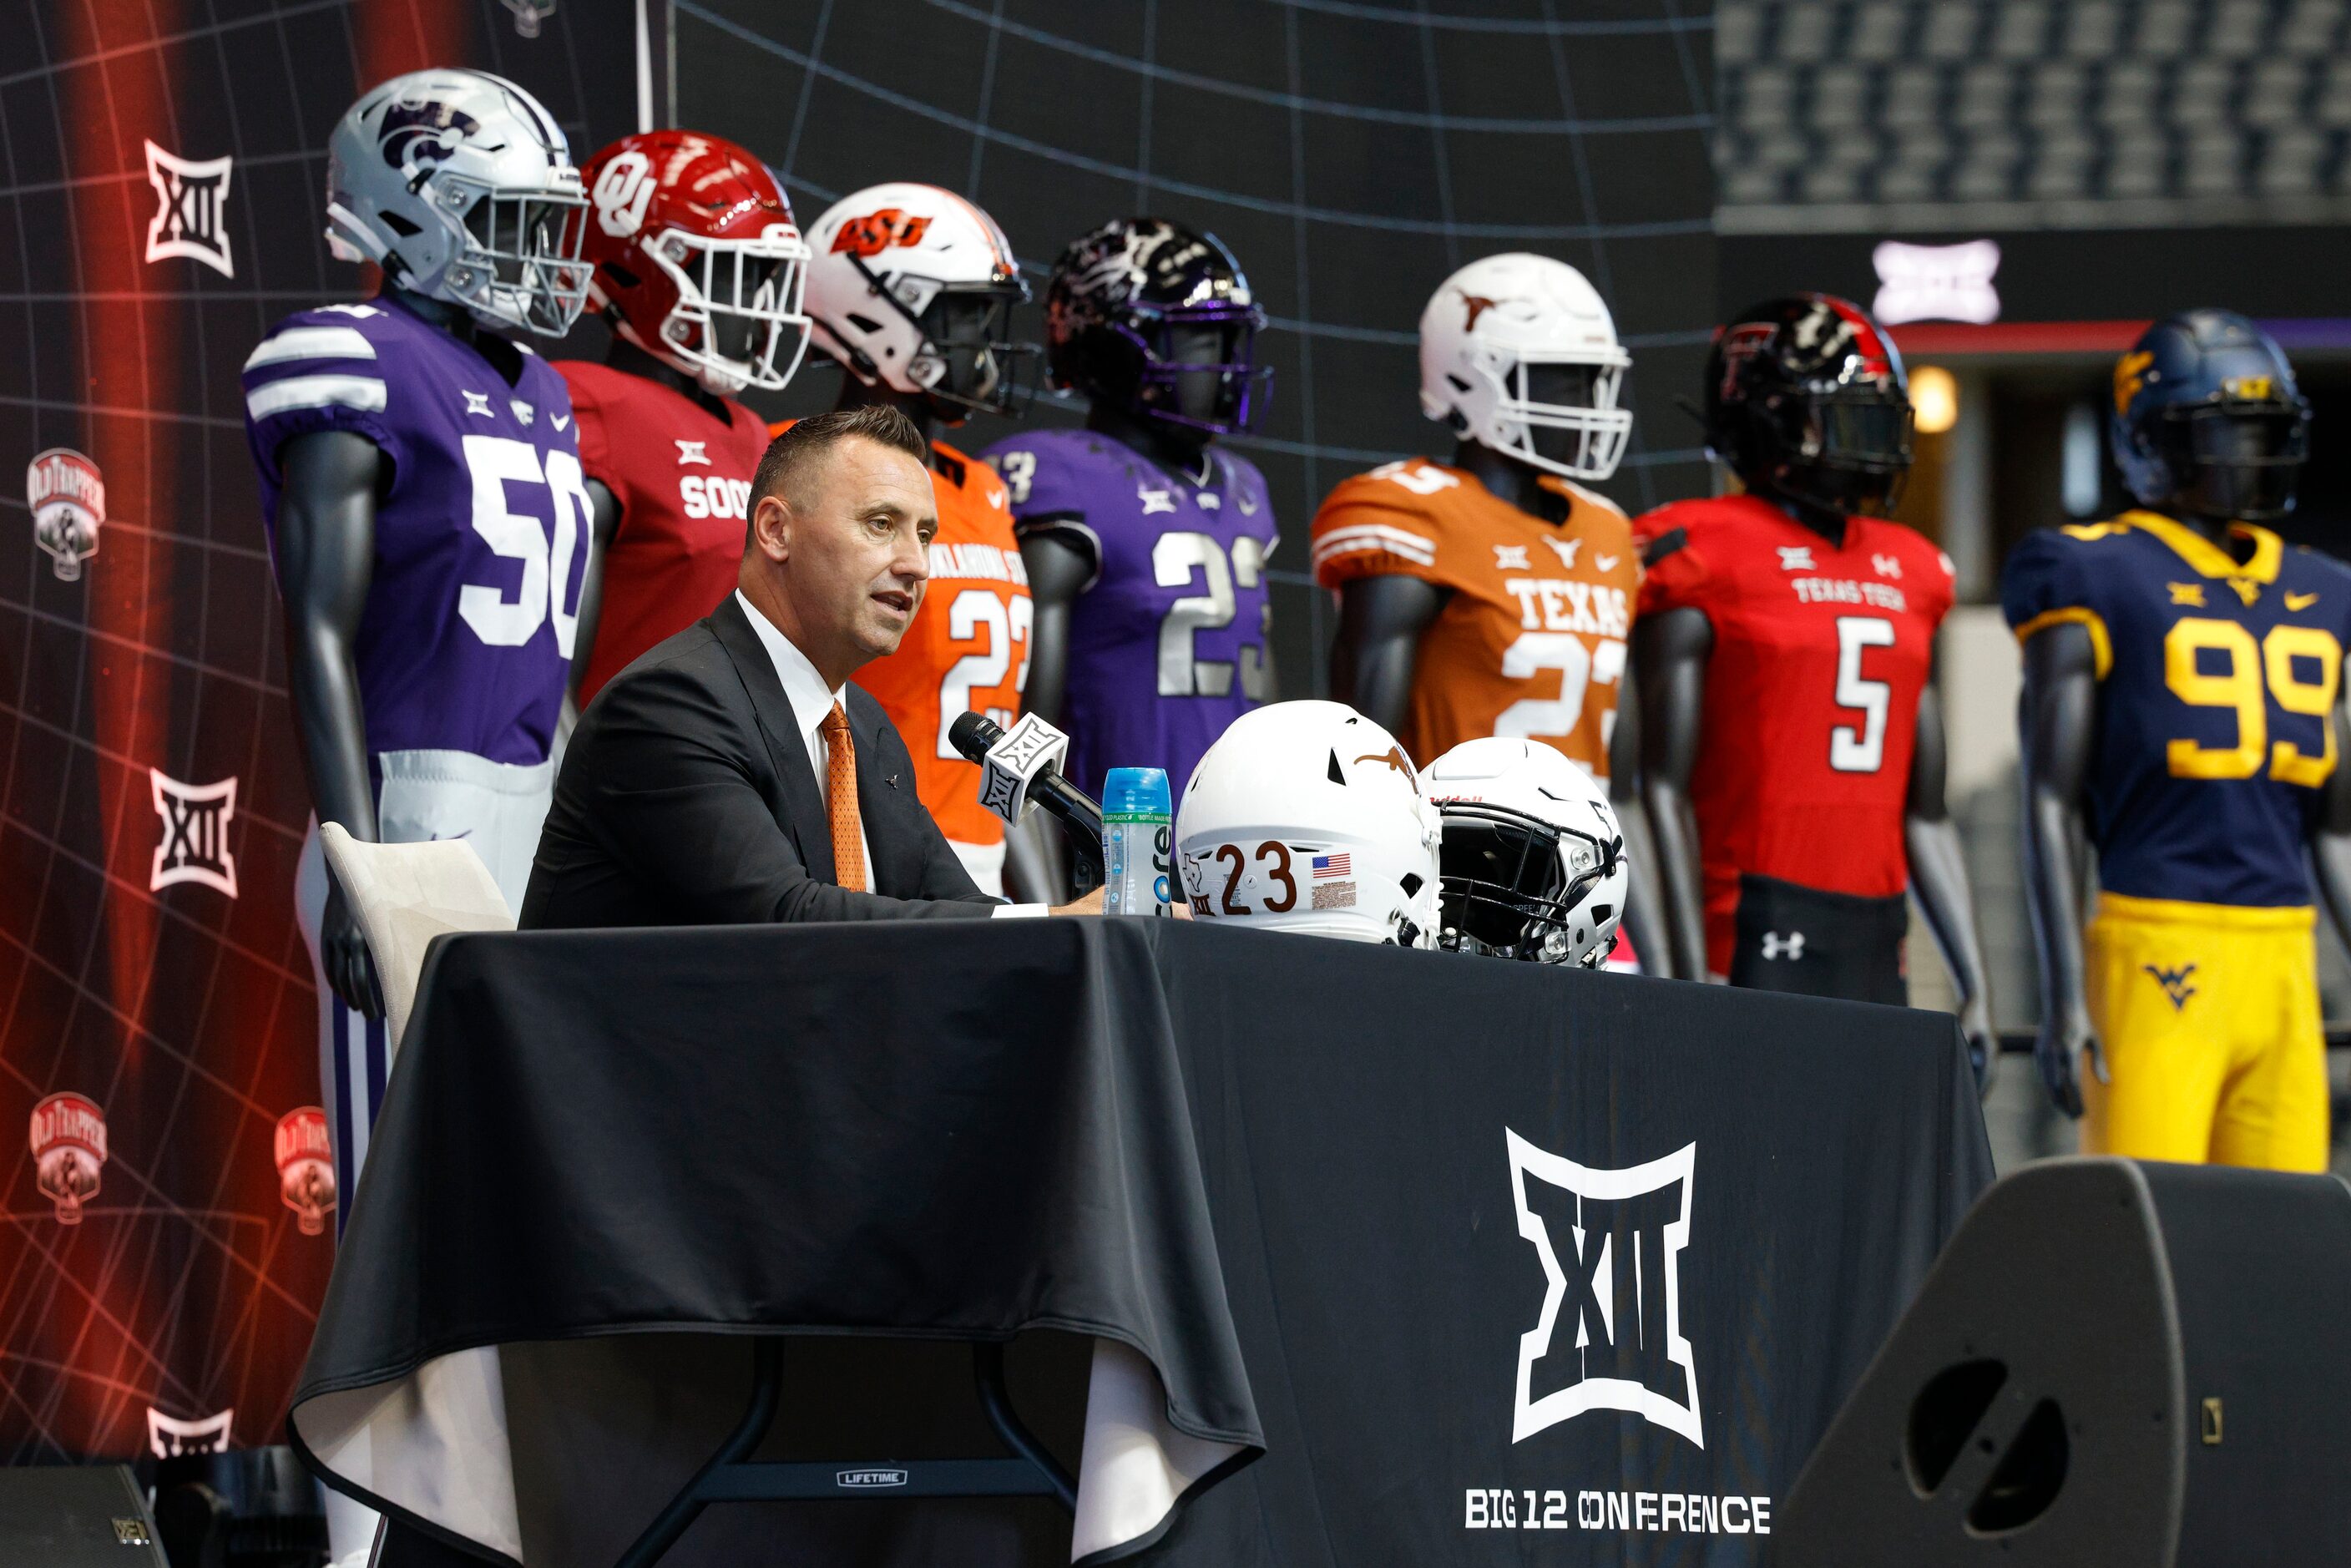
[[811, 704]]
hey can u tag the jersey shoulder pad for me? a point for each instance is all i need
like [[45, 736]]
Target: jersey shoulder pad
[[1676, 544], [1048, 474], [1588, 500], [1389, 522], [328, 369], [2055, 575]]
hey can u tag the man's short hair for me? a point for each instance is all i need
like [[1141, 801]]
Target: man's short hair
[[794, 457]]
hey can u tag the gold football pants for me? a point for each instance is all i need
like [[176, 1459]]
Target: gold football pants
[[2209, 1015]]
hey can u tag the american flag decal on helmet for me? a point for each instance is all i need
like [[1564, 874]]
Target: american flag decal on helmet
[[1332, 865]]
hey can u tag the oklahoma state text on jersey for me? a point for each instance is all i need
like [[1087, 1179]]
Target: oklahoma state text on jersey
[[1531, 638], [1812, 695], [968, 647]]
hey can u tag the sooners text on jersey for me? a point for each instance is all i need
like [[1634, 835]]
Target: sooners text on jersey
[[1811, 693], [1532, 639], [683, 480], [1167, 644], [479, 544], [968, 647]]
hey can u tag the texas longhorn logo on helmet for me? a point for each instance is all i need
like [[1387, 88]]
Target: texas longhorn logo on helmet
[[68, 1139], [877, 232]]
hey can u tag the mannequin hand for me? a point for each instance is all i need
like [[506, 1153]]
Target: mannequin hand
[[1983, 1044], [2064, 1039], [343, 953]]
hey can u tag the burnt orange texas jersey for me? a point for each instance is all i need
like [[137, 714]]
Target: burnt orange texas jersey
[[1811, 692], [1531, 638], [968, 647]]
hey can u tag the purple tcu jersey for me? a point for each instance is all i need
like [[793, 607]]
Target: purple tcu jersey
[[480, 540], [1167, 644]]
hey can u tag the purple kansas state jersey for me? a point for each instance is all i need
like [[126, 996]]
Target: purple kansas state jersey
[[1167, 644], [479, 543]]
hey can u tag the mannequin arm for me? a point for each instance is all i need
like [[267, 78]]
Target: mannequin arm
[[2056, 715], [1058, 573], [1669, 658], [1645, 918], [1381, 619], [1939, 879], [325, 558], [2330, 835], [603, 521]]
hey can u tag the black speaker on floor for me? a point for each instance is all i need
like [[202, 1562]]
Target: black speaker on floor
[[2112, 1363], [75, 1517]]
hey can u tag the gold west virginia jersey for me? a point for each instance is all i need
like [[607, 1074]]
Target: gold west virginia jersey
[[2217, 676]]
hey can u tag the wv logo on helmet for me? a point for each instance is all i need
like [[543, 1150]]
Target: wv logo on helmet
[[1609, 1335]]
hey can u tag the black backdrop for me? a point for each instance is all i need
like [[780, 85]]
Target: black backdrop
[[1351, 152]]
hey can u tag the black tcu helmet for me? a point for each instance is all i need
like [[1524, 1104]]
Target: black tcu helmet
[[2208, 419], [1150, 316], [1805, 399]]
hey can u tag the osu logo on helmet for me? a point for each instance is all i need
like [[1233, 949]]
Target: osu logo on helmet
[[877, 232]]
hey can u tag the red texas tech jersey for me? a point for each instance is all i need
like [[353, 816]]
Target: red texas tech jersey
[[1812, 695], [683, 480], [1532, 639]]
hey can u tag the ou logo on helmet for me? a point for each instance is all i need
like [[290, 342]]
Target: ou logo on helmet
[[623, 190]]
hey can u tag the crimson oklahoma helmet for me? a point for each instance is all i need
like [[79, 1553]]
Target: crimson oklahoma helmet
[[698, 261], [1805, 399]]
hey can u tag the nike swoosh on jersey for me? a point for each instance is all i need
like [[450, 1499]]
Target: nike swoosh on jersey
[[562, 421], [1605, 562], [2299, 601]]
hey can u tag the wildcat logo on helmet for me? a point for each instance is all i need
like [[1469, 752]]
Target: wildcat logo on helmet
[[1624, 1233], [418, 135], [877, 232], [306, 1168], [195, 833], [168, 1436], [66, 495], [191, 209], [68, 1140]]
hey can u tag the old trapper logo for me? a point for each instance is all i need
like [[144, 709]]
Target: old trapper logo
[[2174, 983], [1611, 1243]]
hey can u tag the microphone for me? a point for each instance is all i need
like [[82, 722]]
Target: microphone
[[1022, 770]]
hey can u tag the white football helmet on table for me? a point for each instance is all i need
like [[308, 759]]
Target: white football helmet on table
[[1306, 816], [1532, 860]]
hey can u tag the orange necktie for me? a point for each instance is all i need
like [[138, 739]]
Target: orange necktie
[[841, 791]]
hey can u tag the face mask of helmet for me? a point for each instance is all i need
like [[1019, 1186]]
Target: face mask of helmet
[[1851, 449], [1588, 437], [1200, 368], [529, 243], [2236, 461], [1505, 887], [966, 335]]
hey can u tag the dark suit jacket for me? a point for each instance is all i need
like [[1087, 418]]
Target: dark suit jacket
[[686, 798]]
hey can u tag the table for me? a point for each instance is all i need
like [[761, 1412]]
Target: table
[[1309, 1252]]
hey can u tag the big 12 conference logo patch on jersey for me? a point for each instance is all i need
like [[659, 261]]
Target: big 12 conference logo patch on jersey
[[1609, 1242]]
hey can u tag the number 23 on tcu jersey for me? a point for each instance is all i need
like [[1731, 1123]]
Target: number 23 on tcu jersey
[[1811, 692], [479, 542], [1167, 644], [1531, 642]]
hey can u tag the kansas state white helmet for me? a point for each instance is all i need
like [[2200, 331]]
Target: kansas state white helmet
[[460, 186], [911, 288], [1533, 861], [1517, 352], [1306, 816]]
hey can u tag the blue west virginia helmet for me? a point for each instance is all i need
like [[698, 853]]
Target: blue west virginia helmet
[[2208, 419]]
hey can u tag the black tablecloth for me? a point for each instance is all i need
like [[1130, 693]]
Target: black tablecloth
[[1355, 1206]]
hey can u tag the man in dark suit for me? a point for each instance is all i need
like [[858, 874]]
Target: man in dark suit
[[733, 775]]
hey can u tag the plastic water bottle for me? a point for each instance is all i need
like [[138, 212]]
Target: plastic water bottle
[[1138, 828]]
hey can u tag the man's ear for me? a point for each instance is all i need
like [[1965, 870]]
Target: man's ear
[[771, 528]]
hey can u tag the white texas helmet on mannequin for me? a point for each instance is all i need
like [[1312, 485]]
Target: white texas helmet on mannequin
[[1306, 816], [911, 288], [1517, 352], [1533, 860]]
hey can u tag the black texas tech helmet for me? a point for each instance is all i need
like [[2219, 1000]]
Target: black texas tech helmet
[[1805, 399]]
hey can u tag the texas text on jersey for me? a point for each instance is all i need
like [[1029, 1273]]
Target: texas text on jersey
[[1811, 704], [683, 480], [479, 542], [968, 648], [1531, 638], [1167, 644]]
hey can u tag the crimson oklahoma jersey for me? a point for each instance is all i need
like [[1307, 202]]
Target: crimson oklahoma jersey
[[683, 480], [1811, 692]]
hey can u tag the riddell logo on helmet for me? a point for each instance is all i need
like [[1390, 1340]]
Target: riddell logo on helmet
[[877, 232]]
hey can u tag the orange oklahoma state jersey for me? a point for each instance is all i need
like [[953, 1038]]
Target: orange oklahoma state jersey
[[1531, 638], [968, 647]]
